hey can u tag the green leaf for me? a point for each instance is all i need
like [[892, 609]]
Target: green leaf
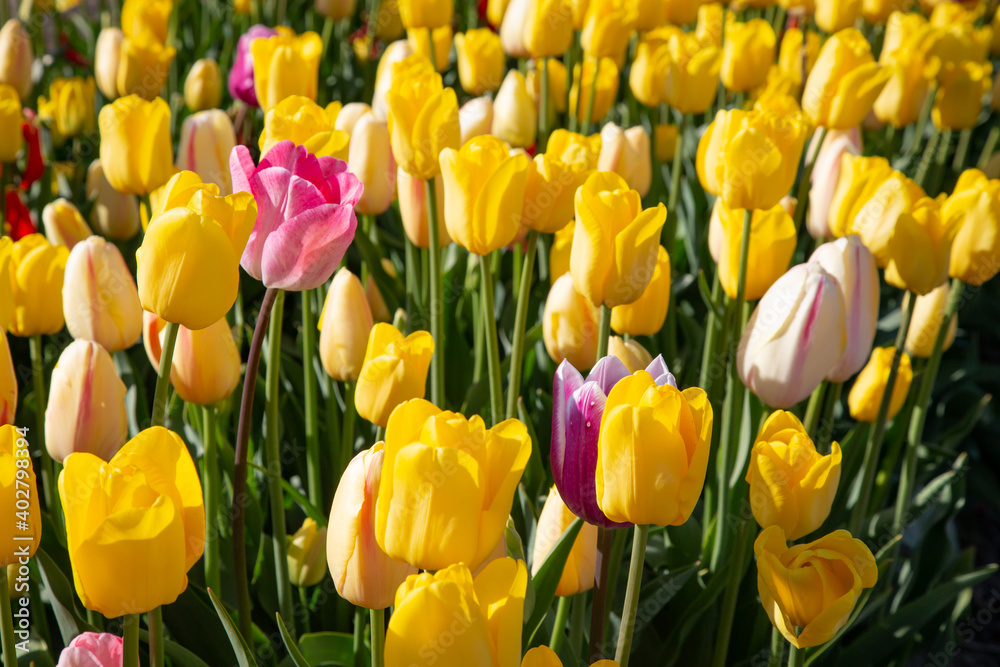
[[691, 615], [70, 621], [658, 592], [311, 510], [386, 285], [546, 580], [240, 648], [328, 648], [293, 649], [180, 656], [706, 296], [534, 474]]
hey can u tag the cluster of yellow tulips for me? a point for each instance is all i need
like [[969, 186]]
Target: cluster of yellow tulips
[[721, 212]]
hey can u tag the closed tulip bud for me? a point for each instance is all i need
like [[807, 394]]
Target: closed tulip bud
[[306, 565], [974, 208], [550, 192], [629, 352], [143, 66], [363, 574], [920, 247], [666, 137], [559, 255], [489, 609], [648, 74], [960, 96], [928, 315], [825, 174], [419, 40], [207, 139], [16, 58], [335, 10], [64, 225], [8, 383], [548, 28], [69, 108], [372, 162], [647, 428], [645, 316], [569, 325], [844, 84], [344, 324], [512, 28], [692, 79], [750, 159], [146, 16], [394, 371], [495, 10], [578, 573], [607, 30], [92, 649], [130, 557], [36, 279], [423, 118], [515, 119], [794, 338], [628, 154], [480, 60], [809, 590], [107, 56], [853, 265], [11, 139], [606, 91], [483, 193], [475, 118], [557, 86], [836, 15], [203, 86], [100, 301], [869, 387], [86, 409], [412, 195], [747, 54], [792, 486], [772, 244], [206, 363], [284, 65], [426, 13], [136, 151], [17, 538], [300, 120]]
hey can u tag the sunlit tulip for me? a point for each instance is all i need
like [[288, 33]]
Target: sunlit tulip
[[901, 28], [344, 324], [64, 225], [692, 79], [423, 118], [879, 11], [578, 573], [606, 30], [136, 152], [809, 590], [928, 315], [853, 265], [134, 525], [372, 162], [461, 520], [306, 562], [241, 74], [627, 153], [8, 382], [569, 325], [798, 52], [844, 83], [772, 244], [557, 85], [606, 89], [666, 138], [143, 66], [146, 16], [100, 301], [426, 13], [10, 122], [958, 43], [974, 208], [836, 15], [792, 486], [512, 28], [709, 28], [548, 28], [107, 56], [203, 85], [207, 139], [16, 58], [206, 363], [412, 195], [550, 192], [960, 98], [394, 371], [69, 108], [825, 175], [903, 97], [920, 247], [420, 43], [300, 120], [648, 74], [480, 60], [14, 454], [36, 279], [629, 352], [363, 574], [489, 609], [869, 387], [748, 52], [475, 118], [515, 118], [560, 253], [645, 316], [795, 336], [750, 159], [285, 64], [950, 13], [575, 148]]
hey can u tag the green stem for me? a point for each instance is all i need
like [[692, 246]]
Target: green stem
[[632, 595], [591, 96], [520, 321], [873, 447], [777, 654], [377, 619], [925, 113], [314, 472], [543, 108], [163, 377], [6, 623], [559, 626], [715, 334], [154, 619], [825, 434], [603, 332], [796, 656], [436, 306], [213, 491], [282, 11], [272, 458], [925, 160], [815, 407], [492, 344], [130, 637], [359, 634], [962, 151], [599, 604], [48, 470], [802, 203], [989, 147], [736, 568], [412, 281], [577, 614]]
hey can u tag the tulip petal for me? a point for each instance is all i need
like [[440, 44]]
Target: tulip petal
[[694, 480], [607, 372], [500, 589], [508, 448]]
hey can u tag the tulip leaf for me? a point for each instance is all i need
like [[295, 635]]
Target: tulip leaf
[[691, 614], [546, 580], [706, 296], [386, 285], [179, 655], [293, 649], [534, 474], [63, 602], [328, 648], [244, 656], [311, 510]]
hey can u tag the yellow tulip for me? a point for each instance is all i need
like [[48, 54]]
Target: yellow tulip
[[206, 363], [960, 98], [550, 191], [302, 121], [647, 77], [578, 573], [8, 382], [974, 208], [950, 13], [336, 10], [394, 371], [903, 97], [134, 525], [136, 150], [653, 451], [928, 315], [146, 16], [571, 147], [423, 118], [692, 74], [835, 15], [480, 60], [484, 189], [629, 352], [344, 324], [143, 66], [772, 244], [17, 474], [798, 53], [515, 119], [16, 58], [628, 154], [615, 243], [606, 30], [100, 301], [902, 28], [557, 86], [426, 13], [412, 195], [107, 58], [709, 28], [64, 225], [792, 486], [489, 610], [809, 590], [747, 54], [36, 279], [203, 85], [750, 159], [386, 71], [195, 238], [879, 11], [543, 656], [645, 316], [207, 139], [306, 562], [682, 12], [10, 124], [955, 44], [920, 247], [559, 255], [419, 40], [569, 323], [69, 108], [548, 28], [447, 485], [284, 65], [869, 387], [844, 83], [666, 138]]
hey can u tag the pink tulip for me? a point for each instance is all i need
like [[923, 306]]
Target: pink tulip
[[93, 649], [305, 214], [241, 75]]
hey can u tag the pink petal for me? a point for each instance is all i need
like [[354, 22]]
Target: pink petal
[[303, 252], [241, 168]]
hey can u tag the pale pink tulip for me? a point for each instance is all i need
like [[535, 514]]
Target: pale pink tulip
[[826, 172], [93, 649]]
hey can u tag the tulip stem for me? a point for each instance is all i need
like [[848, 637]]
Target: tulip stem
[[210, 474], [577, 615], [925, 160], [715, 332], [777, 654], [802, 203], [591, 96], [163, 376], [520, 321], [492, 344], [603, 332], [154, 620], [48, 471], [925, 112], [559, 625], [632, 595], [825, 433], [598, 607], [815, 407], [873, 448], [314, 472], [436, 307], [796, 656], [377, 619], [6, 623], [988, 148], [130, 640]]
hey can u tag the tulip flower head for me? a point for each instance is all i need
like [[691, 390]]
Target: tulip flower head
[[844, 83], [604, 85], [693, 73], [394, 371], [8, 382], [136, 150], [920, 247], [480, 60], [645, 316], [114, 215], [300, 120], [241, 75], [203, 85], [869, 387], [107, 56], [344, 325], [827, 160], [285, 64], [630, 352], [143, 66], [974, 209], [550, 192], [515, 118], [207, 139], [426, 13], [35, 284], [64, 225], [772, 244], [578, 573], [16, 58], [928, 316], [206, 364], [93, 649], [628, 154], [305, 554], [748, 52], [569, 324], [69, 108], [14, 448]]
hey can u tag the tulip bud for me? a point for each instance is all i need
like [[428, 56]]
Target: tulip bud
[[480, 60], [8, 383], [515, 119], [607, 30], [919, 248], [143, 66], [648, 75], [394, 371], [370, 159], [475, 118], [16, 58], [206, 363], [203, 86], [335, 10], [630, 352], [412, 195], [550, 192], [100, 301], [344, 324], [666, 137], [692, 78], [512, 28], [423, 118], [11, 118], [107, 56], [869, 387], [36, 278], [419, 40], [86, 409], [844, 83], [569, 325], [113, 215], [825, 174], [92, 649], [646, 315], [131, 167], [627, 153], [578, 573], [63, 223], [305, 554], [928, 314], [747, 55], [960, 96], [285, 64], [363, 574], [426, 13], [835, 15], [795, 336], [548, 28], [69, 108], [974, 208], [146, 16]]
